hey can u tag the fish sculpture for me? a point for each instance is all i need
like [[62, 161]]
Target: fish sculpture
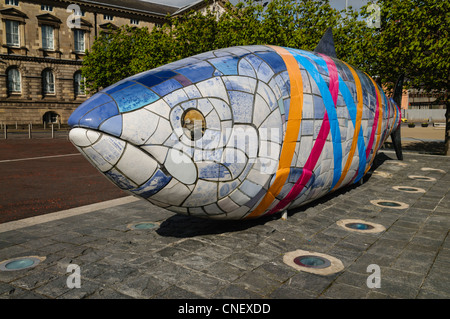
[[237, 133]]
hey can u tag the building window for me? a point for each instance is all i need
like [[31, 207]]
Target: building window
[[12, 2], [12, 33], [78, 82], [13, 78], [79, 40], [45, 7], [134, 21], [108, 17], [47, 37], [48, 82]]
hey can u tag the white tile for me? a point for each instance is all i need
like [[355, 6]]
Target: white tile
[[159, 152], [213, 210], [260, 111], [92, 136], [160, 107], [204, 193], [138, 126], [267, 94], [213, 87], [173, 194], [245, 138], [109, 148], [227, 204], [213, 121], [192, 92], [269, 149], [204, 106], [136, 165], [78, 136], [249, 188], [239, 197], [161, 133], [238, 213], [258, 177], [180, 166], [223, 109]]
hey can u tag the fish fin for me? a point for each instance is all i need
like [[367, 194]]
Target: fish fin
[[326, 44], [395, 135]]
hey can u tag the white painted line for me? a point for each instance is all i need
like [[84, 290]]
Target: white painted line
[[36, 158], [31, 221]]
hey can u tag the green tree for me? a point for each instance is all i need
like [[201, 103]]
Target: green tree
[[414, 40], [117, 54]]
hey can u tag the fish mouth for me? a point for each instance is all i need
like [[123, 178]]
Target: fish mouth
[[127, 166]]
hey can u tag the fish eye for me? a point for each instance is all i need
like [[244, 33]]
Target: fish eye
[[193, 123]]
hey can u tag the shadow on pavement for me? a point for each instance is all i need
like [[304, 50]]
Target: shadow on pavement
[[175, 226]]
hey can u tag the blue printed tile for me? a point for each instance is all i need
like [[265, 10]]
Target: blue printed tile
[[148, 79], [98, 115], [164, 73], [287, 105], [254, 61], [264, 72], [307, 127], [157, 182], [227, 188], [118, 86], [242, 106], [273, 59], [176, 97], [238, 51], [246, 69], [294, 175], [119, 179], [112, 126], [166, 87], [197, 72], [134, 97], [192, 92], [228, 65], [319, 107], [213, 171], [95, 101], [240, 83]]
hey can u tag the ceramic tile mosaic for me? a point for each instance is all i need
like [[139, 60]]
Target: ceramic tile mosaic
[[273, 128]]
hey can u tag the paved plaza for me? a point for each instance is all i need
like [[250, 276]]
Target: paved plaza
[[128, 248]]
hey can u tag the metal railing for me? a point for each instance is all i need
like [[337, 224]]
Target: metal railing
[[29, 130]]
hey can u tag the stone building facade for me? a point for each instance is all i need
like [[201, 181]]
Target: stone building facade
[[42, 45]]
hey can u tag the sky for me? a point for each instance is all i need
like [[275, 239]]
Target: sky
[[338, 4]]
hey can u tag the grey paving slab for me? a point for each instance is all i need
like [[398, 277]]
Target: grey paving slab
[[190, 258]]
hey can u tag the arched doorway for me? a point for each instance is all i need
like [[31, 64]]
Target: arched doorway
[[50, 117]]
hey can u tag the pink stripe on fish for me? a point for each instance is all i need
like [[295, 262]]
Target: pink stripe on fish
[[318, 145]]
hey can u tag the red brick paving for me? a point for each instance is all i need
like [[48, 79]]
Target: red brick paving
[[35, 187]]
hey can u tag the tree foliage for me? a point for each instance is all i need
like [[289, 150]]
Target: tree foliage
[[119, 53], [413, 39]]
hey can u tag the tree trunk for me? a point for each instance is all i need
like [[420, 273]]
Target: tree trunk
[[447, 129]]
